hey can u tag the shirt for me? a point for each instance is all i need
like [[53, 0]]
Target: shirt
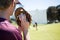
[[7, 26]]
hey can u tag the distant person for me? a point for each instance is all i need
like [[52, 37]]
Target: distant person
[[22, 16], [6, 10], [36, 25]]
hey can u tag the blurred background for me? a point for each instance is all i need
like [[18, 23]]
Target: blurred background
[[45, 16], [38, 9]]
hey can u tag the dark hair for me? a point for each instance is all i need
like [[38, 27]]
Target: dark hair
[[4, 4], [18, 12]]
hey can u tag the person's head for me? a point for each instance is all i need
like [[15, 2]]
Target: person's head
[[4, 4], [7, 6], [19, 11]]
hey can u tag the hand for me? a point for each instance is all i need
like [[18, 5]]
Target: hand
[[24, 23]]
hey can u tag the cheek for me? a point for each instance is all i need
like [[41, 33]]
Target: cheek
[[12, 9]]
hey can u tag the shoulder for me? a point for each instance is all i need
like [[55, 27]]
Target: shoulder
[[11, 28]]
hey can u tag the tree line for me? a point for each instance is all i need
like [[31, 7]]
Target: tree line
[[53, 14]]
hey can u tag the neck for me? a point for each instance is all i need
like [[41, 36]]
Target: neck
[[4, 15]]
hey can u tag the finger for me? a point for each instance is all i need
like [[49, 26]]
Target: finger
[[24, 16], [25, 24], [20, 18]]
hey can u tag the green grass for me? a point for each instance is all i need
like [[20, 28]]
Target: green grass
[[45, 32]]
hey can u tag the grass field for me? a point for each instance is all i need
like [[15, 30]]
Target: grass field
[[45, 32]]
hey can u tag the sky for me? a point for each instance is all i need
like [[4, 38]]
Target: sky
[[38, 4]]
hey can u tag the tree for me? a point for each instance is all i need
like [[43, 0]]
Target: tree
[[58, 9], [52, 14]]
